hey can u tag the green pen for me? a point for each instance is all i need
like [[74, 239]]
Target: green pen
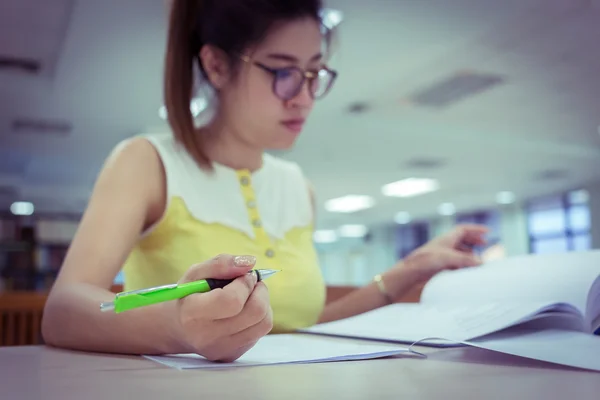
[[125, 301]]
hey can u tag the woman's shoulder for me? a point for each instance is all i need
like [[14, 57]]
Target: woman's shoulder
[[156, 143], [135, 152]]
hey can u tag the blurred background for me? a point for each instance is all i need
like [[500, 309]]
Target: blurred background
[[445, 111]]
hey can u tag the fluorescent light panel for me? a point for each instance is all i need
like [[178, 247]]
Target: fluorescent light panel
[[325, 236], [505, 197], [402, 218], [410, 187], [447, 209], [22, 208], [353, 231], [349, 204]]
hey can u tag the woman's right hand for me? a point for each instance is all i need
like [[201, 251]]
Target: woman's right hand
[[223, 324]]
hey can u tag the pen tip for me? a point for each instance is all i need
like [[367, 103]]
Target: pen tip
[[107, 306], [265, 273]]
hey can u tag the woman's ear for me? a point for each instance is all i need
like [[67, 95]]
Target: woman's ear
[[216, 65]]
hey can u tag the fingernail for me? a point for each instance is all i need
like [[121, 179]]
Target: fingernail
[[244, 261]]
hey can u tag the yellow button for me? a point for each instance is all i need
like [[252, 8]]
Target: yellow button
[[270, 253], [244, 180], [257, 223], [251, 204]]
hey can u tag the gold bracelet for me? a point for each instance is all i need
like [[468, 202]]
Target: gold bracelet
[[378, 279]]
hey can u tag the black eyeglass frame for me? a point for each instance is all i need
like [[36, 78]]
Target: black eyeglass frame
[[306, 75]]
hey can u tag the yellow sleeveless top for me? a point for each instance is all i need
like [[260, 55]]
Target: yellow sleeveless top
[[266, 213]]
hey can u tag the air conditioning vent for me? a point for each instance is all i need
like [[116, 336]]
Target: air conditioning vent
[[358, 107], [455, 88], [41, 126], [424, 163], [552, 175], [19, 64]]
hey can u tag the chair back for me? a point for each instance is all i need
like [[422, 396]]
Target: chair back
[[21, 317]]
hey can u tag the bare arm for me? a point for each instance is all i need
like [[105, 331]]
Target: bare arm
[[368, 297], [129, 195]]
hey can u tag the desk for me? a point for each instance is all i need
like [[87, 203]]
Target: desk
[[50, 374]]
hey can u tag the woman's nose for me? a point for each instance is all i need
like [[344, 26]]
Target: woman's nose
[[304, 98]]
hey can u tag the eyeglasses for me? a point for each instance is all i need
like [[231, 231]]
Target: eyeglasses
[[289, 81]]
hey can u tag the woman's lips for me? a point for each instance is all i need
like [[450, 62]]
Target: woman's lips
[[294, 125]]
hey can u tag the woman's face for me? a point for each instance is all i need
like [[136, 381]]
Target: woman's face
[[264, 111]]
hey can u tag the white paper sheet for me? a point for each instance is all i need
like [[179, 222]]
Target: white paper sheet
[[408, 323], [570, 348], [289, 348]]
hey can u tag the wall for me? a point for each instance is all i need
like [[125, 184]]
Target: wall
[[513, 229], [355, 262]]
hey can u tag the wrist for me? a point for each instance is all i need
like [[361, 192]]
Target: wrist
[[414, 270], [400, 279], [176, 338], [382, 287]]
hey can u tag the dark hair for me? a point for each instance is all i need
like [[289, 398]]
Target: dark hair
[[231, 26]]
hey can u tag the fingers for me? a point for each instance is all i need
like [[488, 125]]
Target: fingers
[[478, 228], [227, 355], [453, 259], [257, 307], [224, 266], [242, 341], [467, 236], [240, 333], [222, 303]]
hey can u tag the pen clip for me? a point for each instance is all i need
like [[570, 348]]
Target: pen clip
[[148, 290]]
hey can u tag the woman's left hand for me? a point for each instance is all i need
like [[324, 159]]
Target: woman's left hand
[[453, 250]]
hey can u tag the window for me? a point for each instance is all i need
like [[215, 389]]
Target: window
[[559, 224], [409, 237], [119, 279]]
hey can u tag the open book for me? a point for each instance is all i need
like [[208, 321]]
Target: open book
[[557, 291]]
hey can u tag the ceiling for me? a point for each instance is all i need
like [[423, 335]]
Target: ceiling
[[533, 132]]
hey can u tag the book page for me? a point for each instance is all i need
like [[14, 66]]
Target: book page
[[564, 347], [408, 323], [558, 278], [404, 323], [288, 349]]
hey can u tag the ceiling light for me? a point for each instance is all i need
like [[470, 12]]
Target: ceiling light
[[22, 208], [402, 218], [410, 187], [505, 197], [325, 236], [349, 204], [354, 231], [331, 18], [197, 105], [446, 209]]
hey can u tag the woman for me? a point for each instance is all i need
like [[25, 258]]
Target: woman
[[163, 204]]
